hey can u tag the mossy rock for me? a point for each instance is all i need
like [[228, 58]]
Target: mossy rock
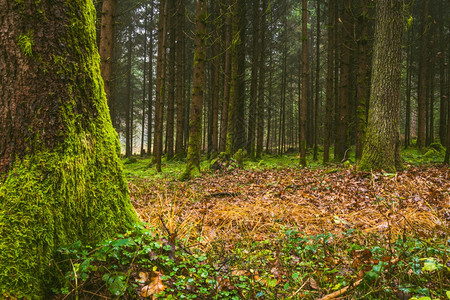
[[437, 146], [131, 160], [430, 153]]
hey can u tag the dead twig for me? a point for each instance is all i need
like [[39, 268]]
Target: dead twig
[[341, 291]]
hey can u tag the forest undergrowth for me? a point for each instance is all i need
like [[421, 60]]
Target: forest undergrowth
[[275, 231]]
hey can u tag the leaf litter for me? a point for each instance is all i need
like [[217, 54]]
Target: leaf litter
[[256, 204], [226, 208]]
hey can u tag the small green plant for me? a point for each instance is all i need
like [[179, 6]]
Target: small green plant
[[293, 265], [25, 42]]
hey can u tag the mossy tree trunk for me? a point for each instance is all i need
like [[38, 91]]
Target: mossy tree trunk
[[195, 126], [60, 176], [382, 147]]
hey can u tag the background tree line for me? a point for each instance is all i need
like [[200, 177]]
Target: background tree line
[[262, 72]]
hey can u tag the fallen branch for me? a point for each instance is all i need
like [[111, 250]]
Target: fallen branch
[[341, 291], [223, 194]]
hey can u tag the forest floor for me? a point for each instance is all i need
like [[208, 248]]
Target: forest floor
[[269, 229], [261, 206], [256, 204]]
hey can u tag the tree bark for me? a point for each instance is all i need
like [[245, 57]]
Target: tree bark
[[61, 178], [160, 84], [171, 82], [344, 86], [317, 84], [106, 49], [421, 88], [128, 105], [329, 87], [262, 82], [195, 126], [144, 82], [150, 84], [214, 116], [179, 138], [361, 87], [304, 99], [226, 82], [382, 146], [443, 120], [252, 106], [240, 138], [408, 89]]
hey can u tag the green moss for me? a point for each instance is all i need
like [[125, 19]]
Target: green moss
[[76, 192], [239, 156], [430, 153], [437, 146], [25, 42]]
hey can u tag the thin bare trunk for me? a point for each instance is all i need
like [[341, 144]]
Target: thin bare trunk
[[303, 100], [160, 84], [329, 87]]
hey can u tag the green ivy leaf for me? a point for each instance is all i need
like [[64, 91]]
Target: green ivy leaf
[[122, 242], [430, 265]]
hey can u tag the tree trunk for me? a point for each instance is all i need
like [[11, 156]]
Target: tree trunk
[[344, 86], [61, 178], [195, 126], [234, 82], [269, 108], [150, 85], [382, 146], [252, 106], [361, 87], [421, 88], [106, 49], [214, 133], [329, 87], [240, 138], [144, 82], [304, 99], [171, 82], [317, 90], [160, 84], [442, 88], [261, 85], [128, 108], [447, 153], [226, 83], [408, 89], [179, 139]]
